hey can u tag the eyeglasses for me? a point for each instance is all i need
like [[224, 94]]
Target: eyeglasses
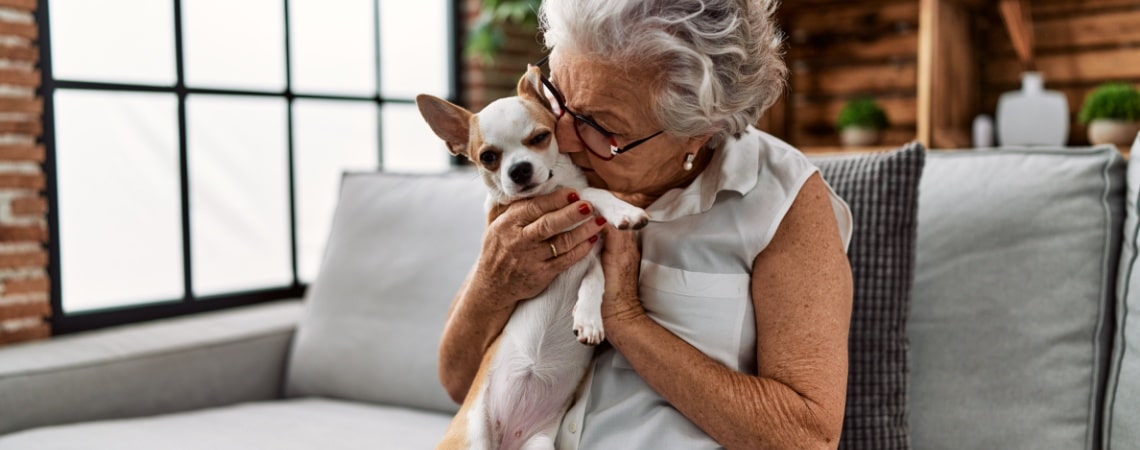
[[600, 141]]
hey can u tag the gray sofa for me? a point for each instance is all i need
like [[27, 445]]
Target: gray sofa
[[1018, 326]]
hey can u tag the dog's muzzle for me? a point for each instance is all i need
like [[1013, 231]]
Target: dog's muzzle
[[521, 173]]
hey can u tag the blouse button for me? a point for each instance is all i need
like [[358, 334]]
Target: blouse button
[[573, 427]]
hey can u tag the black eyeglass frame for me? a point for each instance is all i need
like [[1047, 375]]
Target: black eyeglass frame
[[580, 119]]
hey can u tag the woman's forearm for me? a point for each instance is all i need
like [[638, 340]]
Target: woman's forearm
[[735, 409], [470, 329]]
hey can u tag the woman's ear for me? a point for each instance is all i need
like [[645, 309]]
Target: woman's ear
[[530, 87]]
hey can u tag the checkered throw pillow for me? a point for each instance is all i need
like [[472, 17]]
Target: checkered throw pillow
[[882, 191]]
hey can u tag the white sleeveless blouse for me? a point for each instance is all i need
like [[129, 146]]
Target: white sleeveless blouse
[[695, 281]]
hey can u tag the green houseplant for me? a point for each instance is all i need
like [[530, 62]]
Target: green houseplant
[[486, 36], [1112, 113], [860, 122]]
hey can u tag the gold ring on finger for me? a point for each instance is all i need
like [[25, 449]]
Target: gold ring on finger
[[553, 250]]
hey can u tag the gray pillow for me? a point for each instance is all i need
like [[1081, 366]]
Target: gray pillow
[[882, 191], [1122, 416], [398, 250], [1012, 309]]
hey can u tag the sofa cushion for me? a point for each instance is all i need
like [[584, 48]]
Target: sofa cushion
[[310, 424], [1122, 418], [882, 190], [374, 315], [1011, 315], [154, 367]]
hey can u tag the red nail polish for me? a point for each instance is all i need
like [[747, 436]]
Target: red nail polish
[[600, 221], [593, 239], [584, 209], [573, 197]]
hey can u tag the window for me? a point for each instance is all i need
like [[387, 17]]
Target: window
[[196, 146]]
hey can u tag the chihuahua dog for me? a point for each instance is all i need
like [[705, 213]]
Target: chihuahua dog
[[530, 373]]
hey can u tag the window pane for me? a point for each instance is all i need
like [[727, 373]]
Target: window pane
[[234, 44], [409, 144], [333, 49], [120, 214], [407, 70], [120, 41], [239, 193], [329, 137]]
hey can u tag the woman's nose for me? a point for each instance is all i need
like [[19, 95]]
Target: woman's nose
[[567, 137]]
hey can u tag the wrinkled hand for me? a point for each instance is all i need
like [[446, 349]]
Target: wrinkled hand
[[621, 263], [517, 263]]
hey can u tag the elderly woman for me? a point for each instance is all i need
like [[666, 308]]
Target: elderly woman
[[727, 316]]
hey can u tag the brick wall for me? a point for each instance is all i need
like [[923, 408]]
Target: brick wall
[[483, 83], [24, 286]]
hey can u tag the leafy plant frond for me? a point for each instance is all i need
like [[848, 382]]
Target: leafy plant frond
[[486, 37], [1111, 101], [862, 112]]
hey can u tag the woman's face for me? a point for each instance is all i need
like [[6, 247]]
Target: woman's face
[[622, 102]]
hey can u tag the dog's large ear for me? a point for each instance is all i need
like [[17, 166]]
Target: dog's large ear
[[449, 121], [530, 87]]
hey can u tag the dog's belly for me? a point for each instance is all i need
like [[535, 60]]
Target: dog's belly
[[539, 362]]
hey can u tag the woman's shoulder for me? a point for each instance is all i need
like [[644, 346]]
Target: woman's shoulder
[[782, 174], [780, 169], [779, 158]]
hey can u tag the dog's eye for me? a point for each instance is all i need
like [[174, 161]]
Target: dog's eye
[[488, 157], [539, 138]]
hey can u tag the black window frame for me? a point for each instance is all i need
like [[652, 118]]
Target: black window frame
[[65, 323]]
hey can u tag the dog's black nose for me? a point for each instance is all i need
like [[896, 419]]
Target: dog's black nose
[[520, 173]]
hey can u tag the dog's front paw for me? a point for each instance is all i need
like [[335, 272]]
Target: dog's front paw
[[627, 217], [588, 329]]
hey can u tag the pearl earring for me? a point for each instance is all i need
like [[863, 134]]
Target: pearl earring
[[688, 165]]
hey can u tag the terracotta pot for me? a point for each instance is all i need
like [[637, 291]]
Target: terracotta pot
[[1113, 131], [859, 136]]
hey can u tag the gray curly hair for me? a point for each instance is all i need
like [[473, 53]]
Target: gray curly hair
[[720, 60]]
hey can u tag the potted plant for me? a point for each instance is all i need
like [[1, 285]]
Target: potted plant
[[860, 122], [1112, 113]]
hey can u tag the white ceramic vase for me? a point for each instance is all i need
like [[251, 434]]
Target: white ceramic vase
[[1033, 115], [1113, 131], [856, 136]]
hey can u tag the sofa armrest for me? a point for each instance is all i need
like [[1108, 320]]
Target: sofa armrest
[[179, 364]]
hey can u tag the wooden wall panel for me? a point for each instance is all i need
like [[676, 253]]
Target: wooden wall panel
[[1075, 67], [841, 50], [852, 80], [1054, 33], [848, 18], [1070, 8], [901, 45]]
